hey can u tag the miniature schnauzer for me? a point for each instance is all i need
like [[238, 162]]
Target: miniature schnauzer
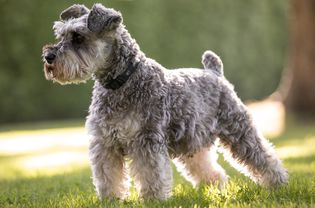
[[150, 115]]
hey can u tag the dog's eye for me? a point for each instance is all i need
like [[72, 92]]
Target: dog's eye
[[77, 38]]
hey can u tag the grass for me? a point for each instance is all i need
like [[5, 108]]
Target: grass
[[48, 167]]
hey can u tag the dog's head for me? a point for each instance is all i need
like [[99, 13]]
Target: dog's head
[[85, 39]]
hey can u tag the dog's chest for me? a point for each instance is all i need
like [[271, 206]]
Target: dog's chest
[[121, 131]]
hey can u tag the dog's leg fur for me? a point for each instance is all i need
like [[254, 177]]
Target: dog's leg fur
[[108, 169], [151, 168], [247, 146], [202, 167]]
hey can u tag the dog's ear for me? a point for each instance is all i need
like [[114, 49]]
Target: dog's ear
[[103, 19], [75, 11]]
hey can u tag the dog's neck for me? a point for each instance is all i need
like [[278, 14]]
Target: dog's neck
[[122, 63], [121, 79]]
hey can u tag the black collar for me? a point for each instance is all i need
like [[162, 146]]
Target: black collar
[[114, 84]]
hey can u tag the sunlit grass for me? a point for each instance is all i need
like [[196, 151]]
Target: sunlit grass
[[298, 148], [49, 168], [22, 142], [45, 152]]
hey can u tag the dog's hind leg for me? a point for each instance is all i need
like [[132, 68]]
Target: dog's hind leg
[[202, 167], [245, 144]]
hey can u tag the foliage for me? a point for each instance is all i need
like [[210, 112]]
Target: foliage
[[73, 188], [250, 36]]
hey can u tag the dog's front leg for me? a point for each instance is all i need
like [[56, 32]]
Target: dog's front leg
[[108, 169], [151, 167]]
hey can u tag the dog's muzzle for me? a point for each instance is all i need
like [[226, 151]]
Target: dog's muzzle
[[50, 57]]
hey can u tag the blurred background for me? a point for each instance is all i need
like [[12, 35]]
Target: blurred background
[[251, 37], [268, 51]]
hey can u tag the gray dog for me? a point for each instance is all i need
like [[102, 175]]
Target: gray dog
[[151, 115]]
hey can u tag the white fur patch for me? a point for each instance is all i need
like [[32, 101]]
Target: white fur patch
[[62, 28]]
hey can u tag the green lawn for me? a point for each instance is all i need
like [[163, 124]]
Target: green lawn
[[44, 165]]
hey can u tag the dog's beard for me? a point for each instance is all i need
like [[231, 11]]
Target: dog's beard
[[70, 67], [73, 66]]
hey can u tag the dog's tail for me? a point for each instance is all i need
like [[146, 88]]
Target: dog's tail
[[212, 61]]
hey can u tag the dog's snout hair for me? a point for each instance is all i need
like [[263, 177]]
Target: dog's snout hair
[[152, 115]]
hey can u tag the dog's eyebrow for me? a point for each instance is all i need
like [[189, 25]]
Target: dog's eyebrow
[[58, 28], [61, 28]]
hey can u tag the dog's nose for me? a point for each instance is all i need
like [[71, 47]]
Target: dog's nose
[[50, 58]]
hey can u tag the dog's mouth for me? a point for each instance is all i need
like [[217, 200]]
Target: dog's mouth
[[54, 73], [49, 71], [51, 74]]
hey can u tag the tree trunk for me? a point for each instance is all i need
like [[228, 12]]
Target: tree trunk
[[298, 84]]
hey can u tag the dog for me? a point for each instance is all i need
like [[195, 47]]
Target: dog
[[151, 115]]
